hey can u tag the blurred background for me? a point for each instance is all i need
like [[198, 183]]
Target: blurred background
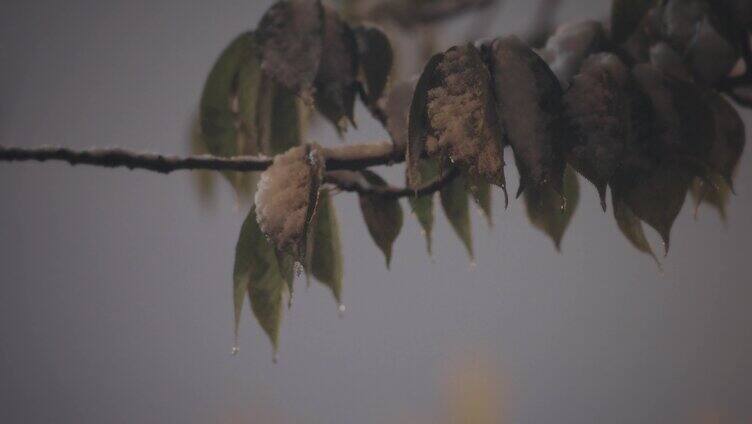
[[115, 286]]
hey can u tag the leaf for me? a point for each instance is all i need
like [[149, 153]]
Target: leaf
[[291, 38], [422, 206], [258, 274], [529, 107], [570, 45], [325, 256], [335, 81], [598, 108], [279, 119], [454, 201], [398, 112], [655, 196], [626, 15], [729, 140], [480, 191], [382, 214], [462, 117], [551, 212], [631, 227], [715, 193], [375, 57], [227, 103], [418, 121], [287, 197]]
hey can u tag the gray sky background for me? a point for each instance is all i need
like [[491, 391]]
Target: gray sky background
[[115, 286]]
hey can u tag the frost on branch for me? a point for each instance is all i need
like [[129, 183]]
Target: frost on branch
[[462, 118], [287, 196], [528, 99]]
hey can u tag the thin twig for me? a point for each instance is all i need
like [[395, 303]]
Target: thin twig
[[354, 182], [358, 156]]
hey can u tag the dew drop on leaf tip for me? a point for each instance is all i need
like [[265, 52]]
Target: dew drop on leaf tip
[[341, 309], [235, 350]]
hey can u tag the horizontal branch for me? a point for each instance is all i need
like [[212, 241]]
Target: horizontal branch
[[349, 157], [354, 182]]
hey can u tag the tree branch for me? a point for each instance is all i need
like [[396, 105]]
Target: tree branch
[[350, 157], [354, 182]]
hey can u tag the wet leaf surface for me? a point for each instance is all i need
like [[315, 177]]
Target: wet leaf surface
[[422, 206], [551, 212], [455, 202], [325, 255], [631, 226]]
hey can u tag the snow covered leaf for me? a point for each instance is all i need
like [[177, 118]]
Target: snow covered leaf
[[462, 121], [631, 227], [418, 121], [325, 254], [626, 16], [375, 57], [291, 39], [422, 206], [287, 197], [258, 274], [530, 107], [570, 45], [551, 212], [382, 214], [336, 79], [655, 196], [454, 201], [598, 108]]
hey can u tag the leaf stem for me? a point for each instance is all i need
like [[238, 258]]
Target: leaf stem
[[354, 182]]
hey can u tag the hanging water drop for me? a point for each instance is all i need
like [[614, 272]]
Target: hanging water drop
[[473, 265], [235, 350], [341, 310], [275, 358]]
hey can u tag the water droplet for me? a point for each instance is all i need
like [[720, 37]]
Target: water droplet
[[235, 350], [473, 265], [275, 358], [341, 310]]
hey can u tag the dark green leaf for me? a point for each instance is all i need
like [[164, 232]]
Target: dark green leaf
[[325, 257], [382, 214], [714, 192], [335, 81], [291, 38], [551, 212], [258, 274], [529, 105], [481, 194], [631, 227], [422, 206], [375, 56], [454, 201], [626, 15], [418, 121]]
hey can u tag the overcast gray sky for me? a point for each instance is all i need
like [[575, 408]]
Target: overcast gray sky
[[115, 286]]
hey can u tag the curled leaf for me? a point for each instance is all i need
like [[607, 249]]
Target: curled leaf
[[551, 212], [335, 81], [290, 35], [382, 214], [454, 201], [325, 255], [258, 274], [529, 107], [462, 118], [375, 56], [287, 197]]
